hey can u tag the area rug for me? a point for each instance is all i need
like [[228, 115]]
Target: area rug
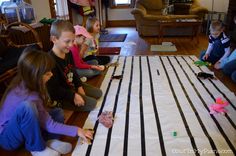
[[161, 107], [163, 48], [112, 37], [109, 50]]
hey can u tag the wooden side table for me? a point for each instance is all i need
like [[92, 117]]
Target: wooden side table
[[192, 23]]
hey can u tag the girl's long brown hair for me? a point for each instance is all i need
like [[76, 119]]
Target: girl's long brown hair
[[31, 67], [90, 23]]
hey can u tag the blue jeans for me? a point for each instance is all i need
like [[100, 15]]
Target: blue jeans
[[216, 53], [23, 128], [102, 60], [233, 76], [230, 69], [89, 72], [228, 59]]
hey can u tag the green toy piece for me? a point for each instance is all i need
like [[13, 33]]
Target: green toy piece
[[174, 133], [202, 63], [47, 21]]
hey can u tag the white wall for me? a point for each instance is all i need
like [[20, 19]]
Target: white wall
[[119, 14], [41, 8], [124, 14], [219, 5], [76, 18]]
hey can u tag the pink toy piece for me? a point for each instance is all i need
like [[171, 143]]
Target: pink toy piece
[[106, 118], [218, 106]]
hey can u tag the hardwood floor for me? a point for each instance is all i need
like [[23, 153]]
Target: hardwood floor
[[135, 45]]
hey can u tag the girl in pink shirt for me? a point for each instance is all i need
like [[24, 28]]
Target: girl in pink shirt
[[84, 69]]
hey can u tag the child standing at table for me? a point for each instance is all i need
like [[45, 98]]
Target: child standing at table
[[90, 47]]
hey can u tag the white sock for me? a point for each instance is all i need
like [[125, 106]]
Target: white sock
[[59, 146], [83, 79], [46, 152]]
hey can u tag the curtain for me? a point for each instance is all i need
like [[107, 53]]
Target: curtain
[[62, 9]]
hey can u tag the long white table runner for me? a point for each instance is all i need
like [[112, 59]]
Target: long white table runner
[[157, 97]]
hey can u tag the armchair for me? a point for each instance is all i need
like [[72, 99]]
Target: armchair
[[11, 51], [148, 13]]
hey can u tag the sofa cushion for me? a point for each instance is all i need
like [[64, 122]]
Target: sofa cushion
[[151, 4], [154, 12]]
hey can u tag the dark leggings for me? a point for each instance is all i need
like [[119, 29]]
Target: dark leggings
[[102, 60], [91, 95]]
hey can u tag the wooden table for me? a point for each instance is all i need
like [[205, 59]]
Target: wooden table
[[194, 24]]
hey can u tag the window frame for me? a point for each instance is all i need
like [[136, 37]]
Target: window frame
[[26, 1], [52, 8], [120, 6], [58, 7]]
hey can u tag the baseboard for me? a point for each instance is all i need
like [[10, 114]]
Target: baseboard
[[121, 23]]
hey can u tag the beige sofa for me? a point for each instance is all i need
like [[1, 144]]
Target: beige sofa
[[148, 13]]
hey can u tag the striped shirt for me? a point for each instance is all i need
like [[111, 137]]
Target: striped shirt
[[225, 41]]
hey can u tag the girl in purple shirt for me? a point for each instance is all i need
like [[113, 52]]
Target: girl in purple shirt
[[23, 117]]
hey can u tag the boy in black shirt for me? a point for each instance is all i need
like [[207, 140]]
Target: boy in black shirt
[[65, 88]]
